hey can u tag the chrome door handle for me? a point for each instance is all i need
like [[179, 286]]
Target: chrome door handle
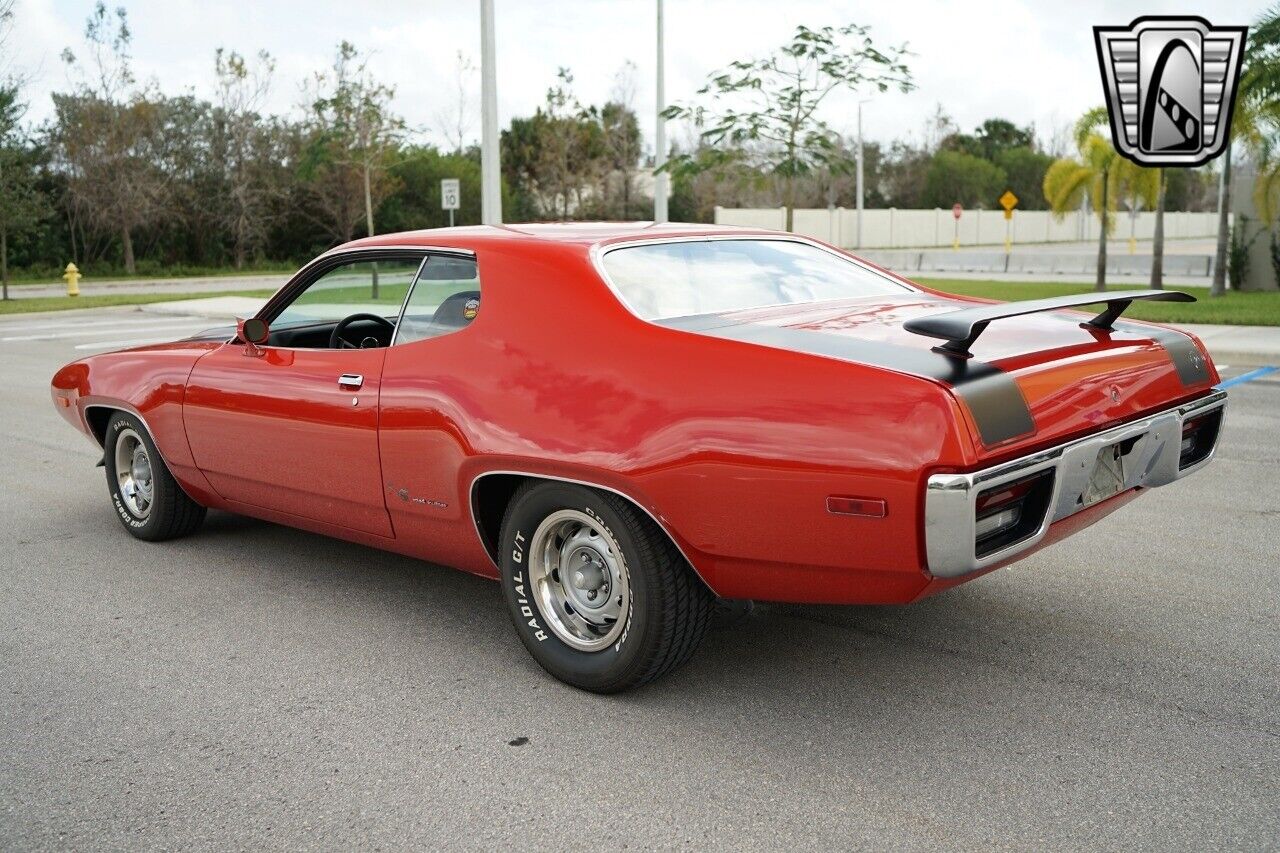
[[350, 380]]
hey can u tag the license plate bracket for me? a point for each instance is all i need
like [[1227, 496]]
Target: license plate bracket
[[1107, 478]]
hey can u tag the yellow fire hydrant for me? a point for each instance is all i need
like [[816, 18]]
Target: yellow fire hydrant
[[72, 277]]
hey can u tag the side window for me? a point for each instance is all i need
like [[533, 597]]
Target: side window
[[445, 298], [371, 287]]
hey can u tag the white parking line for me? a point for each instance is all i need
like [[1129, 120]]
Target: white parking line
[[130, 342], [72, 324], [86, 333]]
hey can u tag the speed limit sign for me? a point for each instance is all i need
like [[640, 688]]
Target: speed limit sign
[[450, 194]]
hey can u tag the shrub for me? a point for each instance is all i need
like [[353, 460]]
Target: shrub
[[1275, 255]]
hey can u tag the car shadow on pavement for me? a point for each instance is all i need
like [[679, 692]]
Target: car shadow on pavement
[[843, 656]]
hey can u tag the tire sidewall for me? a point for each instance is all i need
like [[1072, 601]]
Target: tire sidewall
[[140, 527], [585, 669]]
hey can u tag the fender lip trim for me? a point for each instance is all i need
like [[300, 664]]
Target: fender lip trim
[[120, 406], [475, 522]]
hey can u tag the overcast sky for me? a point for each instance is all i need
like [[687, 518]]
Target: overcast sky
[[1031, 62]]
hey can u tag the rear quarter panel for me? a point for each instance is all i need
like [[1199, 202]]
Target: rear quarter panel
[[734, 447]]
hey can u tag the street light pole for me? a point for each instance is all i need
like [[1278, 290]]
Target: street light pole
[[490, 174], [660, 179]]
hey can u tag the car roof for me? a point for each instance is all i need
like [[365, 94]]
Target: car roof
[[582, 234]]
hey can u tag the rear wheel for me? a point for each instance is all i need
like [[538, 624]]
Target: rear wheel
[[147, 499], [600, 596]]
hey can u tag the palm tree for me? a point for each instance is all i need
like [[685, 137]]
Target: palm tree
[[1137, 184], [1096, 173], [1255, 123]]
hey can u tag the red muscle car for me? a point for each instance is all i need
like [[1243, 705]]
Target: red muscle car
[[624, 422]]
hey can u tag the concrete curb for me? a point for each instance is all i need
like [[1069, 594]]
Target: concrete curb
[[1240, 346]]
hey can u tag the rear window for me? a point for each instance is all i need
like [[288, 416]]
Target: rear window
[[663, 280]]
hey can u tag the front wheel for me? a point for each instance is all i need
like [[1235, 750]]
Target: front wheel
[[600, 596], [147, 499]]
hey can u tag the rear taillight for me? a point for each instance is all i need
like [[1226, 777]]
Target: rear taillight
[[1011, 512], [1199, 435]]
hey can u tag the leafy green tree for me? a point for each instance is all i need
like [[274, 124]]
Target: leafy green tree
[[22, 204], [1191, 189], [109, 151], [621, 146], [716, 176], [553, 158], [243, 147], [1013, 149], [903, 171], [955, 176], [416, 203], [991, 139], [767, 109], [1024, 169], [521, 153], [353, 139], [106, 136]]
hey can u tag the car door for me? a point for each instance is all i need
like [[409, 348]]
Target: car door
[[292, 425], [434, 373]]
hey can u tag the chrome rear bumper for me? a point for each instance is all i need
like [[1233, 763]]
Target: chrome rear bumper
[[951, 499]]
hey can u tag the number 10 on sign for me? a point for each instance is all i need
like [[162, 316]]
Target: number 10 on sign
[[450, 196]]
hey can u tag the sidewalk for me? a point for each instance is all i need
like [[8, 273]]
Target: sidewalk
[[214, 307]]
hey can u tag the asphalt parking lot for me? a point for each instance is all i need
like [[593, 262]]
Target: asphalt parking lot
[[253, 686]]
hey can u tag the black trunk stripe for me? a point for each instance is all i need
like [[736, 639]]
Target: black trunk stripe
[[994, 400], [1192, 367], [992, 397]]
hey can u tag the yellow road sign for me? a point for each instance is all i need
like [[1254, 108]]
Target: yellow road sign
[[1008, 201]]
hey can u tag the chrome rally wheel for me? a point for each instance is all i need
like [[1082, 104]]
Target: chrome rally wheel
[[580, 580], [134, 475], [598, 592], [146, 498]]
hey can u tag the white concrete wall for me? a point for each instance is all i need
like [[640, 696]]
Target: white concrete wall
[[894, 228]]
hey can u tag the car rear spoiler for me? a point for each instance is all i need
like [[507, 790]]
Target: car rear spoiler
[[961, 328]]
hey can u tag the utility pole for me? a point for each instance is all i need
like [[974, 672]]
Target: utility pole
[[661, 180], [490, 172], [859, 175]]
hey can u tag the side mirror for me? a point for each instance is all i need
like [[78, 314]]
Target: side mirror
[[253, 331]]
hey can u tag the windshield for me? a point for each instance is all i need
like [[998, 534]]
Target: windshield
[[679, 279]]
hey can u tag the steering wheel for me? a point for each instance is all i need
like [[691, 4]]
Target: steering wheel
[[336, 341]]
